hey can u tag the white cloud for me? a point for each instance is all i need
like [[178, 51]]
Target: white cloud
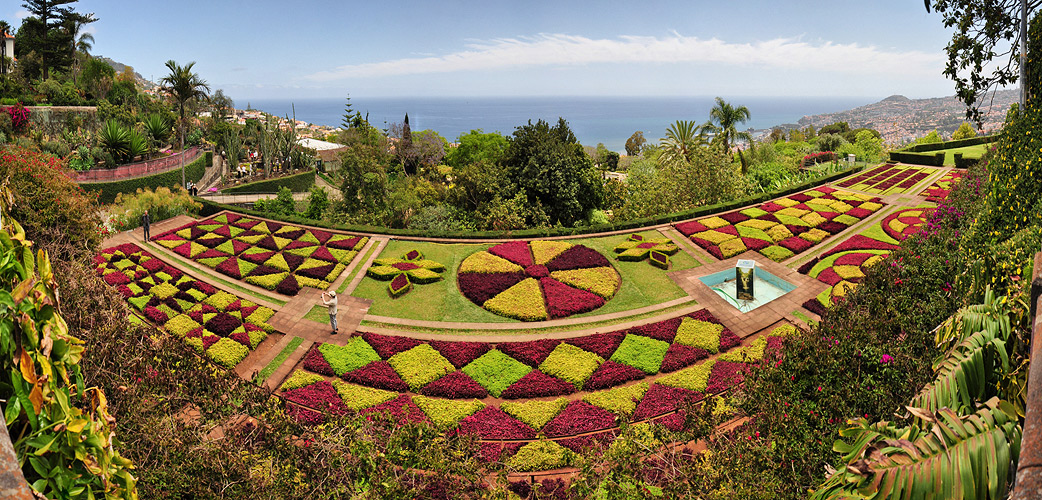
[[569, 50], [22, 14]]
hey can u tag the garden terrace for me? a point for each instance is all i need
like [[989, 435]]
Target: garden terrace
[[540, 346]]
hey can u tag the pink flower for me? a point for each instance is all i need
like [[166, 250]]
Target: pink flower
[[886, 359]]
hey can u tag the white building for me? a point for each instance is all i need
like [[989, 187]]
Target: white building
[[327, 152]]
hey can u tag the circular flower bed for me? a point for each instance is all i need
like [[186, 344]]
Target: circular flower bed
[[904, 223], [538, 280]]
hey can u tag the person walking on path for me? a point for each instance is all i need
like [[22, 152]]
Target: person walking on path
[[145, 222], [329, 300]]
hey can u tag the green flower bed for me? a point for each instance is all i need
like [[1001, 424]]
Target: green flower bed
[[420, 365], [540, 455], [535, 413], [643, 353], [300, 378], [447, 412], [701, 334], [496, 371], [571, 364], [696, 377], [620, 400], [356, 354], [357, 397]]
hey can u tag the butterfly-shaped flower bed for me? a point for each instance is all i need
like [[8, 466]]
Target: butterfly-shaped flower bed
[[843, 267], [453, 384], [637, 248], [781, 228], [941, 188], [402, 272], [217, 323], [271, 255], [538, 280], [887, 179]]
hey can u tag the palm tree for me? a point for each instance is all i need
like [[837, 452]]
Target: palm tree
[[184, 87], [726, 117], [682, 137]]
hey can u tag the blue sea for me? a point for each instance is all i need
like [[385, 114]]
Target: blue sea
[[607, 120]]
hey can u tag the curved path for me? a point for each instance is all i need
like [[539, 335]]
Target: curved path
[[290, 314]]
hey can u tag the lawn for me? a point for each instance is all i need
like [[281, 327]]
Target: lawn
[[967, 152], [642, 285]]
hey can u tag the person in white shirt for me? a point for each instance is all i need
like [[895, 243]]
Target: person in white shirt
[[329, 300]]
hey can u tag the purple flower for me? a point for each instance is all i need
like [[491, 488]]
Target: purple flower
[[886, 359]]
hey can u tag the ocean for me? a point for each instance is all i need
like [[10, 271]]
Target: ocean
[[607, 120]]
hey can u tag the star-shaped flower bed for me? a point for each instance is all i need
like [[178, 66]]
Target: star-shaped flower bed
[[275, 256], [637, 248], [783, 227], [538, 280], [404, 271]]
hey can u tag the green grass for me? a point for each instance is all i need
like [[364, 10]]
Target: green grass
[[318, 313], [642, 285], [553, 329], [281, 358], [159, 250], [967, 152]]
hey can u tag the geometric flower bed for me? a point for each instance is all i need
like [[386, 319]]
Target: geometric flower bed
[[538, 280], [217, 323], [403, 272], [275, 256], [783, 227], [887, 179], [843, 267], [560, 419], [938, 191], [904, 223], [636, 248]]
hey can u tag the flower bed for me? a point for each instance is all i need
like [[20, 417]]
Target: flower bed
[[843, 267], [941, 188], [637, 248], [223, 326], [887, 179], [571, 424], [403, 271], [275, 256], [538, 280], [783, 227]]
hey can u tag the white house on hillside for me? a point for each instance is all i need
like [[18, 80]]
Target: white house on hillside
[[8, 48], [327, 152]]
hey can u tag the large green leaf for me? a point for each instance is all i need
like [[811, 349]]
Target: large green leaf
[[953, 457], [962, 375]]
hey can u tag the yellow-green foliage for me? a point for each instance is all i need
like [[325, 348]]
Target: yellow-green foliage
[[420, 365], [227, 352], [447, 412], [620, 400], [523, 301], [161, 204], [698, 333], [534, 412], [571, 364], [484, 262], [357, 397], [695, 378], [540, 455], [300, 378]]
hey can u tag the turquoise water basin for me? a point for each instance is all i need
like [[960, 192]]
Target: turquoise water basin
[[766, 287]]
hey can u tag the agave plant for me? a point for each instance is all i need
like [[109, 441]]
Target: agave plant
[[158, 130], [114, 138], [137, 145]]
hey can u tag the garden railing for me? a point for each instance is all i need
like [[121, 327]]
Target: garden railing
[[1029, 469], [140, 169]]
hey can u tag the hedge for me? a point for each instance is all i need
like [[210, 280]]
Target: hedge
[[961, 143], [193, 172], [962, 162], [210, 208], [298, 183], [929, 159]]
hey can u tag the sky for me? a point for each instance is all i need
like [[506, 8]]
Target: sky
[[262, 49]]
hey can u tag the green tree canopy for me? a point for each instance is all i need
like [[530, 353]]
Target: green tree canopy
[[477, 147], [726, 118], [550, 167]]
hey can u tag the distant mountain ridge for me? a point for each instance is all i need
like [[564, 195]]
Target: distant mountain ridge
[[900, 119], [120, 67]]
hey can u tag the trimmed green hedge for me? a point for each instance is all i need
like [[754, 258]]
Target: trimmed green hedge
[[193, 172], [298, 183], [961, 143], [929, 159], [210, 208], [962, 162]]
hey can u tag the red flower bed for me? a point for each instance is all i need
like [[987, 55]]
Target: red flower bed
[[755, 243], [348, 244], [318, 273], [289, 286], [530, 353], [674, 421], [582, 443], [496, 452], [537, 384], [304, 415], [514, 251], [315, 362], [459, 353], [319, 396], [479, 287], [662, 330], [563, 300], [601, 344], [378, 374], [577, 257], [832, 227], [492, 423], [692, 227], [611, 374], [579, 417], [537, 271], [795, 244], [661, 399], [725, 374], [735, 217], [680, 356], [258, 258], [456, 385], [116, 278], [230, 267], [389, 345], [400, 409]]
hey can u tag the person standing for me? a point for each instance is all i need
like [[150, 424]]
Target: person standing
[[329, 300], [146, 221]]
